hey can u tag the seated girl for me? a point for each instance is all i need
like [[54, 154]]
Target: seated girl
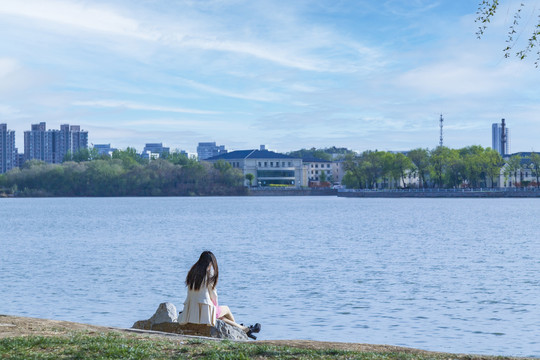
[[201, 305]]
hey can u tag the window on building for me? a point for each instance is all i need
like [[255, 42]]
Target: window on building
[[265, 164], [327, 165], [277, 163], [259, 164], [316, 165], [283, 163], [311, 165], [271, 164], [316, 171], [290, 163]]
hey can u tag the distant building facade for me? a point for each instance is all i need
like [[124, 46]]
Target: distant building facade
[[206, 150], [267, 167], [318, 170], [52, 146], [154, 151], [8, 151], [104, 149]]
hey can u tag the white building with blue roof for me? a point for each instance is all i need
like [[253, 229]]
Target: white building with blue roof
[[268, 168]]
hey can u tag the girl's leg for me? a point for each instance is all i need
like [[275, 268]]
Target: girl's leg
[[243, 328], [227, 316], [225, 313]]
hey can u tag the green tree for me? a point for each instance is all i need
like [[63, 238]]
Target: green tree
[[420, 159], [473, 164], [535, 167], [493, 162], [439, 161], [400, 166], [129, 157], [250, 177], [513, 166], [323, 177], [350, 180], [176, 157]]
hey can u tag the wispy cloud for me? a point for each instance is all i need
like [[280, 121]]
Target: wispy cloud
[[257, 95], [78, 15], [138, 106], [202, 34], [7, 67]]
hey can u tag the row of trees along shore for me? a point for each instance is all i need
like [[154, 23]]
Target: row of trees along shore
[[124, 173], [442, 167]]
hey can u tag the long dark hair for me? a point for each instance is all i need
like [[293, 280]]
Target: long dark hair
[[198, 272]]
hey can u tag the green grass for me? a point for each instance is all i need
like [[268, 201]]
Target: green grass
[[116, 346]]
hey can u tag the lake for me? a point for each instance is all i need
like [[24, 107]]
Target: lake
[[453, 275]]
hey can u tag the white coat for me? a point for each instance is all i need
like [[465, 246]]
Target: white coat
[[199, 308]]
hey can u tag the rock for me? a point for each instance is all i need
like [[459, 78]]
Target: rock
[[166, 320], [166, 313], [222, 330]]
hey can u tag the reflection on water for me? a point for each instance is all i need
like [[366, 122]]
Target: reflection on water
[[456, 275]]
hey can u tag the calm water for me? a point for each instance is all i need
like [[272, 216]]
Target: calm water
[[456, 275]]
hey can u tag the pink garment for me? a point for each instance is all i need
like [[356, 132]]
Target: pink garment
[[218, 309]]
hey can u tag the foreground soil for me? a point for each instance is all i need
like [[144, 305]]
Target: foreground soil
[[22, 337]]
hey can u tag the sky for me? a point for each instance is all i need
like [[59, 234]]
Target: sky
[[361, 74]]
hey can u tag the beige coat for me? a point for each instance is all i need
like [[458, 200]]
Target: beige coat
[[198, 307]]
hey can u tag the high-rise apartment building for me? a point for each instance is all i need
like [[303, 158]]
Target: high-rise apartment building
[[500, 141], [207, 150], [8, 151], [52, 146]]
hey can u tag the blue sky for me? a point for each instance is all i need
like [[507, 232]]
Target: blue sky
[[288, 74]]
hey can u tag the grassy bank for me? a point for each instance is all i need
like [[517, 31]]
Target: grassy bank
[[82, 345], [31, 338]]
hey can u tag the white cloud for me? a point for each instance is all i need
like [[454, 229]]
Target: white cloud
[[7, 67], [137, 106], [304, 51], [78, 15], [257, 95], [7, 111]]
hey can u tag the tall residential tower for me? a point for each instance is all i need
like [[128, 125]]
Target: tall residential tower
[[500, 139], [52, 146], [8, 151]]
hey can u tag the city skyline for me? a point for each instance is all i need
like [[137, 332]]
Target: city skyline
[[288, 75]]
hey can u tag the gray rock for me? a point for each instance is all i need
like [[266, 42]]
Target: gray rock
[[166, 313], [166, 320], [222, 330]]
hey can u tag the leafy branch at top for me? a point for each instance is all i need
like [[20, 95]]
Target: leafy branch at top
[[487, 10]]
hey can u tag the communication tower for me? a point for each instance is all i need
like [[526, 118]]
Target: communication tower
[[441, 126]]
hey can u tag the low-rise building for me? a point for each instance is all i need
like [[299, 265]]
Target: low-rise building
[[267, 167], [319, 170]]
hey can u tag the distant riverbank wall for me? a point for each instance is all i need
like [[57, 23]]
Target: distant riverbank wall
[[442, 193], [291, 192]]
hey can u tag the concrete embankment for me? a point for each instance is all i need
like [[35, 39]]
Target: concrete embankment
[[292, 192], [440, 194]]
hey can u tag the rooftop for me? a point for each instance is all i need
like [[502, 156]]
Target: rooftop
[[250, 154], [309, 159]]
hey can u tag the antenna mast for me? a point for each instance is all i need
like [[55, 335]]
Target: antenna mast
[[441, 126]]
